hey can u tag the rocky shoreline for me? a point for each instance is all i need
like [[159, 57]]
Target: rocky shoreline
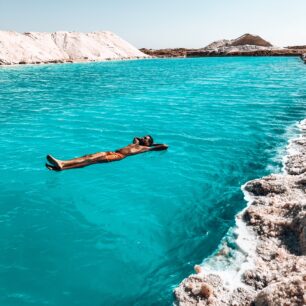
[[245, 45], [274, 271], [187, 53], [183, 53], [259, 52]]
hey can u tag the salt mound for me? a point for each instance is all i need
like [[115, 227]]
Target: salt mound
[[246, 41], [249, 39], [43, 47]]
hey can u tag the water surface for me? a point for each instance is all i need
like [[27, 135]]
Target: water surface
[[127, 233]]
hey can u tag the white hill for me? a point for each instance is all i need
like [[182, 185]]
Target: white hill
[[57, 47]]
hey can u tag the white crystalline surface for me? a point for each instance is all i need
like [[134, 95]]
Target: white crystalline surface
[[43, 47]]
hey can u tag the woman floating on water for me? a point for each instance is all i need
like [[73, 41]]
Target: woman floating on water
[[139, 145]]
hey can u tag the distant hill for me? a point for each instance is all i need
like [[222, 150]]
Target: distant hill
[[249, 39], [297, 47], [244, 40], [245, 45]]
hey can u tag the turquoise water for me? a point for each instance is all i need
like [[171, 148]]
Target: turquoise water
[[127, 233]]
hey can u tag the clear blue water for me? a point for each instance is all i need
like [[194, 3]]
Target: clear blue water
[[127, 233]]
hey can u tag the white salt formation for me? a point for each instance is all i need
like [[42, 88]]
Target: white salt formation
[[61, 47], [244, 43]]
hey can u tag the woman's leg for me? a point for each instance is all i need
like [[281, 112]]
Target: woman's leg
[[101, 157]]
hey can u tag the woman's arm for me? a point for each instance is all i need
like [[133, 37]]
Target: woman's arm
[[158, 147]]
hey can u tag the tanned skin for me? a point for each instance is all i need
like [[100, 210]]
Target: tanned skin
[[139, 145]]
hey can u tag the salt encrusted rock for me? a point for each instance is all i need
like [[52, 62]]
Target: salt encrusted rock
[[206, 290], [200, 290], [266, 222], [296, 165], [277, 216], [289, 292], [209, 290], [302, 233], [263, 187], [198, 269]]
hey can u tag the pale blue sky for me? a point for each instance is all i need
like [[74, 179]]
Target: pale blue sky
[[161, 23]]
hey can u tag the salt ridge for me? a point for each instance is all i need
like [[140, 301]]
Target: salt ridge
[[60, 47]]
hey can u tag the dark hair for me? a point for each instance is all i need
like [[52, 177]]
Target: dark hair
[[144, 141], [151, 139]]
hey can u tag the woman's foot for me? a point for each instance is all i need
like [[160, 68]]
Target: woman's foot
[[50, 167], [55, 162]]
